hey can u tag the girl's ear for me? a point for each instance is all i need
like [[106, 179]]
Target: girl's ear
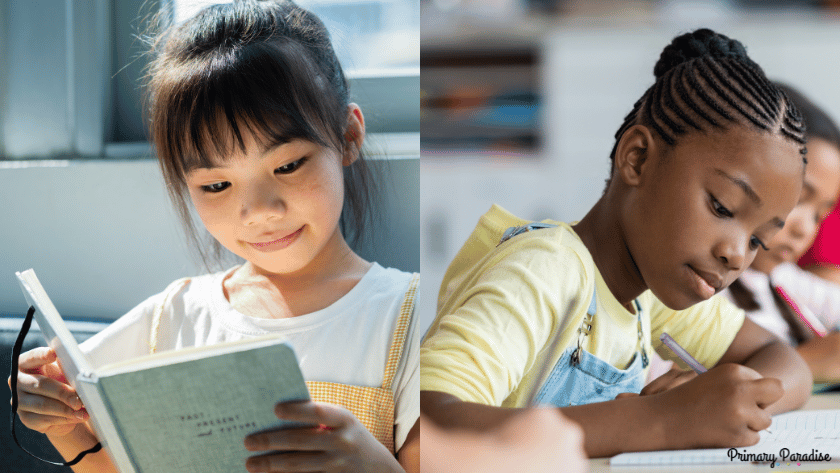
[[632, 154], [354, 137]]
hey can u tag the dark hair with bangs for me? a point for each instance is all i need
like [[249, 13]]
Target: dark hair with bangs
[[266, 68]]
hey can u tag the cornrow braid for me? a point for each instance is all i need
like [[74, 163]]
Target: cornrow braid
[[704, 81]]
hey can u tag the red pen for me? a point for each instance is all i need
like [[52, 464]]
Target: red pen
[[805, 315]]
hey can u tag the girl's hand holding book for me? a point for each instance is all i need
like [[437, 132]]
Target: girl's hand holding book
[[47, 403], [339, 443], [725, 407]]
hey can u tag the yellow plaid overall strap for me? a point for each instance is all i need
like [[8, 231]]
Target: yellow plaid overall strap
[[168, 294], [374, 406]]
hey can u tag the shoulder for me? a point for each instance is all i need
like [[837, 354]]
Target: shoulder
[[392, 295], [195, 292], [391, 279], [547, 262], [548, 254]]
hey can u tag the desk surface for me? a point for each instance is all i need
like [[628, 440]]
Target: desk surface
[[816, 402]]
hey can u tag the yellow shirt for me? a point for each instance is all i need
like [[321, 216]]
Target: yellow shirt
[[507, 313]]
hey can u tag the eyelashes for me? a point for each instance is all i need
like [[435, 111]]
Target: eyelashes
[[292, 167], [285, 169], [722, 212], [216, 187], [755, 243]]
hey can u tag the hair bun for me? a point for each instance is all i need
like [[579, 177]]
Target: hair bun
[[699, 43]]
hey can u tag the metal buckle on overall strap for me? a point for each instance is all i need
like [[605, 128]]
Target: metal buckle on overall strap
[[645, 360], [583, 332]]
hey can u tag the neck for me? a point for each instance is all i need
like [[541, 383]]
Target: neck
[[602, 233], [334, 271]]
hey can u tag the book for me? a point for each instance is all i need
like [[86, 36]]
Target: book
[[179, 411], [801, 436]]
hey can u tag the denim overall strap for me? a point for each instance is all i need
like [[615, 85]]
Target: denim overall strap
[[586, 326], [580, 377]]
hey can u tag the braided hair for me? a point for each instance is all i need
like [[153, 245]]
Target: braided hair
[[706, 81]]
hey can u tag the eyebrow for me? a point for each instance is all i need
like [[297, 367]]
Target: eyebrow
[[743, 185], [750, 193]]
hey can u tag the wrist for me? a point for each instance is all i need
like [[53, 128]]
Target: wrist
[[661, 422], [77, 440]]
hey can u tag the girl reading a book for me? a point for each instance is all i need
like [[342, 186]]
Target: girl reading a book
[[705, 170], [252, 125]]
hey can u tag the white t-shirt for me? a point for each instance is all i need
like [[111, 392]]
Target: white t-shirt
[[347, 342], [767, 315]]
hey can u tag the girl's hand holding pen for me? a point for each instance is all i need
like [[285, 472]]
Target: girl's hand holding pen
[[725, 407], [46, 403], [340, 443]]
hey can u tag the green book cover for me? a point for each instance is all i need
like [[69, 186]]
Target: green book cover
[[193, 416]]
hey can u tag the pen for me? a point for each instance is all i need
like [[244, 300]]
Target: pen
[[805, 315], [686, 357], [680, 352]]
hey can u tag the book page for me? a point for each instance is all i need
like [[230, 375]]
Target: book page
[[803, 433], [193, 416]]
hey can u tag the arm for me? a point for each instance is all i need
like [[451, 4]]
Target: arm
[[540, 438], [598, 421], [728, 405], [822, 354], [79, 440], [409, 454], [756, 348]]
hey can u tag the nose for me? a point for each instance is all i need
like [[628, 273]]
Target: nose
[[262, 201], [732, 252]]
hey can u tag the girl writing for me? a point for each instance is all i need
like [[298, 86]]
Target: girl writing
[[252, 125], [706, 168]]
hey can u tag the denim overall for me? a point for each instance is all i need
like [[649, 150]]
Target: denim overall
[[579, 377]]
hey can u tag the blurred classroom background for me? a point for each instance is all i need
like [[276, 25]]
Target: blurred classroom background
[[520, 99], [83, 200]]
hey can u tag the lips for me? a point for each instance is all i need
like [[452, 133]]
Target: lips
[[706, 284], [711, 279], [274, 242]]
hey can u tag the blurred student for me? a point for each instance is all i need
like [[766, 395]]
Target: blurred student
[[755, 290], [823, 257], [706, 168]]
